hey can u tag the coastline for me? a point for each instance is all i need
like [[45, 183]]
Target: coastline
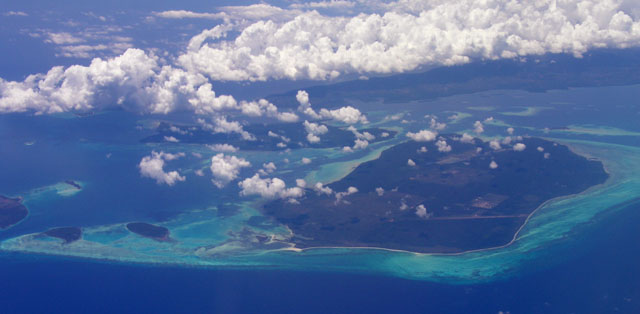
[[489, 262]]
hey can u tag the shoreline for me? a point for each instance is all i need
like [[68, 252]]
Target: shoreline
[[238, 261]]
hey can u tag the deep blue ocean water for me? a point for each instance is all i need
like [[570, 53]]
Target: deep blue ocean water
[[600, 276]]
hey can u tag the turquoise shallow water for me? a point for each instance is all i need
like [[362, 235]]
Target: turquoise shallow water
[[202, 237]]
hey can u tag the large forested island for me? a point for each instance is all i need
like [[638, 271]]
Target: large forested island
[[450, 195]]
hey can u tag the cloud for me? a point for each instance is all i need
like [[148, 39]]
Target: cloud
[[423, 150], [360, 144], [321, 189], [305, 160], [233, 13], [540, 149], [412, 34], [478, 127], [62, 38], [519, 147], [348, 115], [314, 130], [364, 135], [184, 14], [264, 107], [261, 42], [510, 130], [305, 106], [287, 117], [303, 98], [435, 125], [222, 125], [493, 165], [443, 147], [133, 80], [268, 188], [267, 168], [171, 139], [495, 144], [422, 136], [332, 4], [226, 168], [466, 138], [421, 211], [379, 191], [350, 190], [411, 163], [283, 138], [152, 167], [15, 13], [222, 148]]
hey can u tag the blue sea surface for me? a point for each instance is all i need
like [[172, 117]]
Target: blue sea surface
[[601, 276]]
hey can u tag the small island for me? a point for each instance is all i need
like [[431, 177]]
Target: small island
[[66, 234], [149, 231], [467, 195], [11, 211], [73, 184]]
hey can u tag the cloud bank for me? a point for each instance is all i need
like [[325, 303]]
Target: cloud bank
[[411, 34], [263, 42]]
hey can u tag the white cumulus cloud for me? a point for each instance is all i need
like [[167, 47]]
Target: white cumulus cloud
[[348, 115], [443, 147], [422, 136], [153, 167], [268, 188], [226, 168], [519, 147], [314, 130]]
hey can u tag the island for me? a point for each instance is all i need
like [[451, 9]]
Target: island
[[73, 184], [66, 234], [149, 231], [467, 195], [11, 211]]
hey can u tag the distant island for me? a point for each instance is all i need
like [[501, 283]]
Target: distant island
[[11, 211], [149, 231], [66, 234], [468, 196], [73, 184]]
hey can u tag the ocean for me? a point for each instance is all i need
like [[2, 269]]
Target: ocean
[[601, 276]]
